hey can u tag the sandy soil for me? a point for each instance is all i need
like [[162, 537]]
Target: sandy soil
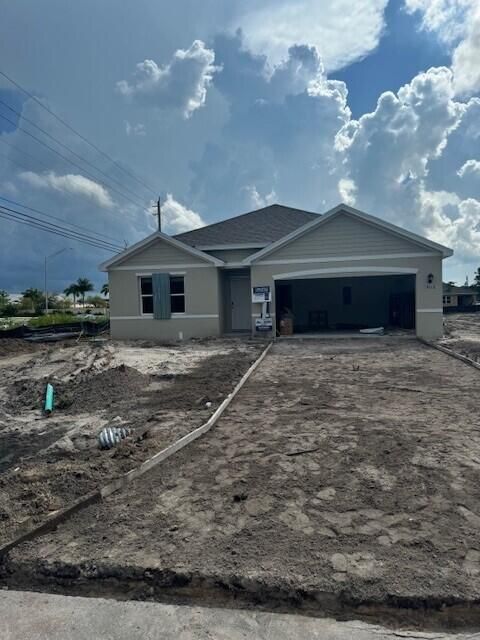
[[160, 393], [344, 477], [462, 334]]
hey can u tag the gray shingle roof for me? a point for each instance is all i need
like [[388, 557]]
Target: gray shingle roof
[[262, 226]]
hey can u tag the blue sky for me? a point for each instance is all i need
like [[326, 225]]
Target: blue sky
[[222, 107]]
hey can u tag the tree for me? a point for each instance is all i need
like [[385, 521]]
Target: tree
[[5, 298], [8, 310], [476, 279], [105, 290], [72, 290], [32, 298], [96, 301], [83, 286]]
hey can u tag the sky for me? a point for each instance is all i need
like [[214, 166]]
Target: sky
[[221, 107]]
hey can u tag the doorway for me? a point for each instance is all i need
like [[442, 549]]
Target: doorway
[[240, 303]]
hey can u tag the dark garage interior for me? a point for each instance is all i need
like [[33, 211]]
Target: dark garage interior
[[346, 303]]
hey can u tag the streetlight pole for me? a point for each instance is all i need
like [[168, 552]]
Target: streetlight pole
[[45, 273]]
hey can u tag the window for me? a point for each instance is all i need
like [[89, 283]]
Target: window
[[146, 295], [177, 294], [347, 295], [447, 299]]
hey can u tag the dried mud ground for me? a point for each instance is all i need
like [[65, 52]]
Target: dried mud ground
[[158, 392], [462, 334], [343, 480]]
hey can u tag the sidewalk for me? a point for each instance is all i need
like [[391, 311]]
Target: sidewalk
[[37, 616]]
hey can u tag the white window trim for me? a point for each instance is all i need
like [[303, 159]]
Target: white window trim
[[144, 295], [176, 314]]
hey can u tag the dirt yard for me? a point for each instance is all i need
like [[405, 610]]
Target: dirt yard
[[462, 334], [343, 480], [158, 392]]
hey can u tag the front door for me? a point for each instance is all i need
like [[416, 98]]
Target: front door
[[241, 303]]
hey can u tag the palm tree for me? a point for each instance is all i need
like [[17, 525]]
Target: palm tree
[[83, 286], [34, 296], [105, 290], [72, 290]]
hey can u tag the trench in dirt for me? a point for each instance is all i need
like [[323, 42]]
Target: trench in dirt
[[242, 592]]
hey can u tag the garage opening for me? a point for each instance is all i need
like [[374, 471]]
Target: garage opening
[[316, 305]]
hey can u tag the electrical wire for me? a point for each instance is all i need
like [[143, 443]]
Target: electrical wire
[[82, 137], [49, 215], [92, 177], [56, 229], [65, 146]]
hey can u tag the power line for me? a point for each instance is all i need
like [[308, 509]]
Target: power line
[[49, 215], [74, 235], [65, 124], [56, 229], [29, 155], [13, 218], [92, 177], [65, 146]]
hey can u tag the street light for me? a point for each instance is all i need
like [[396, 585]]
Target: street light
[[45, 272]]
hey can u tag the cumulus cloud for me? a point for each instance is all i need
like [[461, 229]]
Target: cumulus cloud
[[387, 150], [70, 184], [280, 133], [466, 57], [471, 167], [181, 83], [457, 23], [257, 201], [347, 189], [452, 221], [176, 218], [343, 31], [135, 129]]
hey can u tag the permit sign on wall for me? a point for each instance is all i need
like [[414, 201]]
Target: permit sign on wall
[[261, 294], [263, 324]]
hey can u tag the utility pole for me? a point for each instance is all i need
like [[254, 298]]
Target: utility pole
[[157, 205], [45, 273]]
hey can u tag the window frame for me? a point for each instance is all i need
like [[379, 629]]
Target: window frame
[[447, 299], [145, 295], [178, 295], [145, 276]]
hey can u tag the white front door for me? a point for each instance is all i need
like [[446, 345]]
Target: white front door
[[241, 304]]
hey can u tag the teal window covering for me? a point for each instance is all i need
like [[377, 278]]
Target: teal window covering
[[161, 296]]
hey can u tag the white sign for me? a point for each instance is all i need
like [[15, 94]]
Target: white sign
[[263, 324], [261, 294]]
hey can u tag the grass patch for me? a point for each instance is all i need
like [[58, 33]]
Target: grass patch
[[61, 318]]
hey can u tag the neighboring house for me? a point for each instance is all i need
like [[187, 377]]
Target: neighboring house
[[458, 298], [343, 270]]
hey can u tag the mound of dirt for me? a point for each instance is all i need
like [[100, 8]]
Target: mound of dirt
[[16, 346], [100, 391], [87, 392]]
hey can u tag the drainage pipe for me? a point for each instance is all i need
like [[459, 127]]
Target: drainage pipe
[[49, 398]]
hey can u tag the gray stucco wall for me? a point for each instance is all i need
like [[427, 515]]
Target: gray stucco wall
[[201, 317]]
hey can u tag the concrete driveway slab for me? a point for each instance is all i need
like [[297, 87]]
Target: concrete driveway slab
[[35, 616]]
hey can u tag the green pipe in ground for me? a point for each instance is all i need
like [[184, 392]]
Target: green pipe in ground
[[49, 398]]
